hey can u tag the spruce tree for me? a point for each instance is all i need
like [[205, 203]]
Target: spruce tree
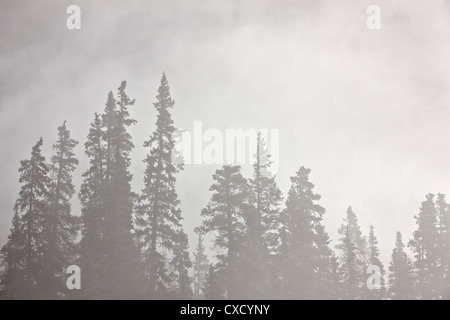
[[443, 212], [12, 284], [334, 278], [268, 200], [158, 215], [353, 246], [181, 263], [426, 250], [24, 252], [306, 240], [201, 267], [351, 266], [374, 260], [61, 225], [214, 287], [109, 251], [123, 260], [401, 276], [262, 245], [225, 217], [93, 226]]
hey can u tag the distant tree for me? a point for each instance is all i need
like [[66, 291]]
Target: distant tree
[[353, 246], [158, 216], [23, 254], [426, 250], [443, 212], [374, 260], [61, 226], [351, 267], [225, 217], [334, 278], [109, 252], [201, 267], [181, 263], [324, 264], [306, 242], [93, 217], [268, 200], [401, 276], [12, 280], [262, 245], [350, 224], [213, 287]]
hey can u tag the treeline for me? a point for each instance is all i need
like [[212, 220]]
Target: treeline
[[133, 246]]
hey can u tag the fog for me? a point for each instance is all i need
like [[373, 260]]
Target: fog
[[366, 110]]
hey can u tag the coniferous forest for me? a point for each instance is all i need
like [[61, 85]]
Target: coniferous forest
[[132, 245]]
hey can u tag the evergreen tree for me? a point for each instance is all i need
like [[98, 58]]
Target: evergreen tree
[[115, 269], [401, 277], [262, 245], [61, 225], [374, 260], [201, 267], [351, 223], [324, 264], [181, 263], [443, 245], [24, 252], [306, 240], [353, 245], [158, 215], [92, 191], [351, 266], [426, 250], [12, 284], [268, 200], [213, 287], [225, 216], [334, 279]]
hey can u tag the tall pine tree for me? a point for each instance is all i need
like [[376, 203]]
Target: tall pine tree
[[12, 284], [374, 260], [353, 246], [158, 215], [201, 267], [93, 231], [24, 252], [61, 225], [401, 276], [180, 264], [426, 250], [109, 251], [225, 217], [306, 240], [443, 212], [351, 267]]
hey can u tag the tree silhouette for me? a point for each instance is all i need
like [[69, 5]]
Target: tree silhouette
[[201, 267], [158, 215], [24, 252], [225, 216], [401, 277], [61, 226], [306, 242], [425, 247]]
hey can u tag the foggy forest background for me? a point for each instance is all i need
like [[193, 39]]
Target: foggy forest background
[[133, 245], [363, 121]]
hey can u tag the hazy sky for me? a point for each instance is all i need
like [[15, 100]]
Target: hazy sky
[[366, 110]]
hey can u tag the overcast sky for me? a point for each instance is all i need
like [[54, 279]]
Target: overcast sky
[[366, 110]]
